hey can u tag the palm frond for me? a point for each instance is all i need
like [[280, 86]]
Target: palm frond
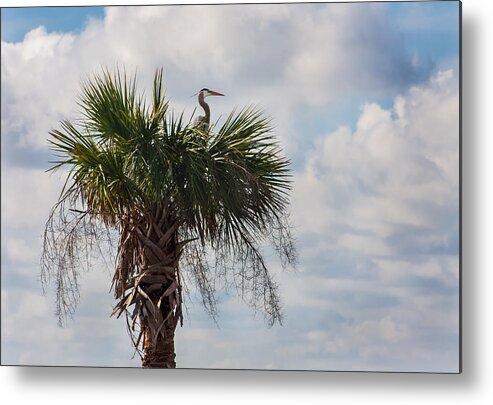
[[169, 188]]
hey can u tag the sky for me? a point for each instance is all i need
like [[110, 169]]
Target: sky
[[365, 102]]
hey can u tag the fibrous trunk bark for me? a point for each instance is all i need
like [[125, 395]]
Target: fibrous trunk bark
[[160, 354], [161, 310], [147, 283]]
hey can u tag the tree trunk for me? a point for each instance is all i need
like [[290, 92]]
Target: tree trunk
[[147, 283], [159, 320], [162, 354]]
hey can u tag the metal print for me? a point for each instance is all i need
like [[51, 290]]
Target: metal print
[[255, 186]]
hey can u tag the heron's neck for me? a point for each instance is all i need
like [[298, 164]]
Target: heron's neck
[[205, 106]]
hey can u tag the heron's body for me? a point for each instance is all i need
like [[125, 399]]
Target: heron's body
[[203, 121]]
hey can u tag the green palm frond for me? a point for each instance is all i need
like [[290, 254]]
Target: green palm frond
[[133, 163]]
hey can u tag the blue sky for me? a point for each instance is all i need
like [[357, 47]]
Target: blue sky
[[365, 102], [430, 32], [17, 21]]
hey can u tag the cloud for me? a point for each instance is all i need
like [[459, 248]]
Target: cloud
[[27, 196], [380, 204], [397, 170], [31, 336], [296, 54], [375, 202], [38, 85]]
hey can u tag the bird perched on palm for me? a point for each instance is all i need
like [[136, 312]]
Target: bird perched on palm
[[202, 122]]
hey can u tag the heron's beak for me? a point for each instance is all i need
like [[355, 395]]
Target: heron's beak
[[215, 93]]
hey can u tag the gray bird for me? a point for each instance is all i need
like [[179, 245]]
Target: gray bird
[[203, 121]]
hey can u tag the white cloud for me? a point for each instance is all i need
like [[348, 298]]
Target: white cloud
[[362, 197], [295, 54], [27, 197], [18, 250], [38, 86], [23, 324], [31, 336], [380, 202], [443, 268], [399, 168], [384, 331]]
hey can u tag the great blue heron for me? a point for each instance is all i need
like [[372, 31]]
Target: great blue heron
[[202, 121]]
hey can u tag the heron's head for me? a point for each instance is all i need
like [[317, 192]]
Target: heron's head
[[207, 93]]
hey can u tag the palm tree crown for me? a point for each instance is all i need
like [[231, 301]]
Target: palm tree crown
[[186, 205]]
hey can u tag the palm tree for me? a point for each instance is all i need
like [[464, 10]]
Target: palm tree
[[182, 204]]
